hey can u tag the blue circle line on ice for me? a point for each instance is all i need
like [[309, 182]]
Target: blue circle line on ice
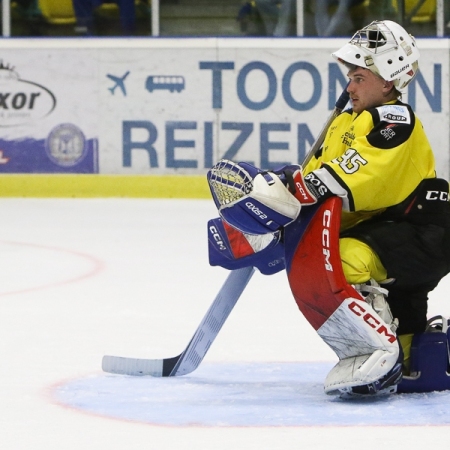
[[260, 394]]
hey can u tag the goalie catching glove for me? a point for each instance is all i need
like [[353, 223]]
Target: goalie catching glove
[[251, 200]]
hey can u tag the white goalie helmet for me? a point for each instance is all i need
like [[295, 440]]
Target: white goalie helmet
[[385, 48]]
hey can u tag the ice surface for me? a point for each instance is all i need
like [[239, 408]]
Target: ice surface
[[129, 277], [247, 394]]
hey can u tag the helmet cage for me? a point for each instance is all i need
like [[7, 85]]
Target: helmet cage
[[386, 49], [374, 40]]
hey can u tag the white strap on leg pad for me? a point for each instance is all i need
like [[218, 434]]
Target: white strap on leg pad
[[366, 346], [375, 296]]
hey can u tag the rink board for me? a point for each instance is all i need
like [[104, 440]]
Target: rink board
[[169, 106]]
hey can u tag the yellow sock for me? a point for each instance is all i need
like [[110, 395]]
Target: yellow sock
[[405, 342]]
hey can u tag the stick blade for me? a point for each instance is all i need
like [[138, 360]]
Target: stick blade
[[198, 346], [133, 366]]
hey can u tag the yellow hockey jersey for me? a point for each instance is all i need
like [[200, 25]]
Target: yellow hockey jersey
[[373, 160]]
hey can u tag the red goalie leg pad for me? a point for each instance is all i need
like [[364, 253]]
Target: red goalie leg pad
[[315, 272]]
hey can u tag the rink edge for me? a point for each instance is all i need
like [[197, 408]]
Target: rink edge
[[86, 186]]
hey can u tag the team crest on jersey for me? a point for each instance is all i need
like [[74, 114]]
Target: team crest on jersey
[[394, 114]]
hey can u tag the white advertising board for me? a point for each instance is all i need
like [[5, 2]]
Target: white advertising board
[[167, 106]]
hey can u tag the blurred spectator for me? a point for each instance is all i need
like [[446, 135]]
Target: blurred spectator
[[384, 9], [278, 16], [29, 7], [334, 24], [26, 18], [250, 20], [84, 12]]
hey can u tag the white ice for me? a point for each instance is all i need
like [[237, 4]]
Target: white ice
[[84, 278]]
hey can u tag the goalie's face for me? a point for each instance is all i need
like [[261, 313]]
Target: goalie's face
[[368, 90]]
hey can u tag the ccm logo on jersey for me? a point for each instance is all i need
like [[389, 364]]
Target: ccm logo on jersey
[[326, 220], [217, 237], [437, 195], [372, 321]]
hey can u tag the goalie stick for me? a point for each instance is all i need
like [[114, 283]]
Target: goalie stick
[[217, 314], [194, 353], [340, 104]]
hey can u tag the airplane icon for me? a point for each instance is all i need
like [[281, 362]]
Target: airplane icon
[[120, 82]]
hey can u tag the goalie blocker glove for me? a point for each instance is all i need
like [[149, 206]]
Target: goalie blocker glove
[[307, 190]]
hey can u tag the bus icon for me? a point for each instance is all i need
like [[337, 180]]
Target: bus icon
[[168, 82]]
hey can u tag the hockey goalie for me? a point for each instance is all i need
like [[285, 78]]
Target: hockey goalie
[[363, 229]]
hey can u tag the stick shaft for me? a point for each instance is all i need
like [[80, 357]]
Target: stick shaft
[[339, 106]]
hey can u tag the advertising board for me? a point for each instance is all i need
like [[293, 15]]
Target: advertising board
[[176, 106]]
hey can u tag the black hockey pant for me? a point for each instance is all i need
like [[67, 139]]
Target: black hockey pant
[[416, 256]]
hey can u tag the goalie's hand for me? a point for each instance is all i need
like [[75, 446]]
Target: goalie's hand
[[308, 189], [299, 187]]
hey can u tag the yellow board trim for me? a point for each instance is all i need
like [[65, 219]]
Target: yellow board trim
[[86, 186]]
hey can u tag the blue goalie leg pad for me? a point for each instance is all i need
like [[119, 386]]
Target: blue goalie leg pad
[[430, 365], [231, 249]]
